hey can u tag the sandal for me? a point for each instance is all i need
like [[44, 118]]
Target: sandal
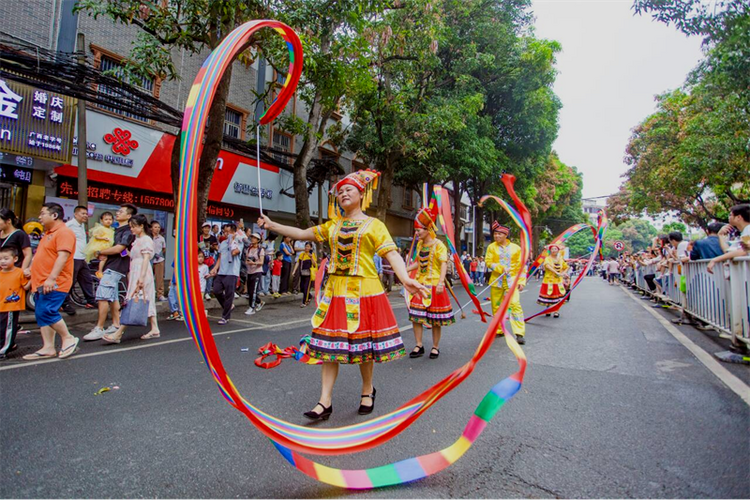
[[68, 351], [434, 353], [151, 335], [365, 410], [36, 355], [417, 352]]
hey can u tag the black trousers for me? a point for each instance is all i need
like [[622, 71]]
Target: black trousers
[[224, 286], [650, 281], [8, 330], [307, 288], [82, 276], [286, 267], [253, 282]]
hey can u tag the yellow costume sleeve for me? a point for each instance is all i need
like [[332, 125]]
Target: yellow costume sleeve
[[381, 238], [441, 252], [323, 231]]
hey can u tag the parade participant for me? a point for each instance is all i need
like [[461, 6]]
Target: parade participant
[[504, 260], [553, 287], [431, 266], [354, 322]]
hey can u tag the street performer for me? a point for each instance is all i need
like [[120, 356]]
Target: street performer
[[431, 265], [503, 258], [553, 286], [354, 322]]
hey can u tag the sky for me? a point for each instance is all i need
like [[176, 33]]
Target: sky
[[611, 66]]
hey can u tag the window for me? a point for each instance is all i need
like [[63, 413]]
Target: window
[[464, 212], [114, 66], [408, 198], [282, 142], [233, 123]]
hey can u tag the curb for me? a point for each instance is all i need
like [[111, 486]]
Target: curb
[[162, 309]]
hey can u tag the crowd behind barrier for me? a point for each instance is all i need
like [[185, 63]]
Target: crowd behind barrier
[[721, 299]]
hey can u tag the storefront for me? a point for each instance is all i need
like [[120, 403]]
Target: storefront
[[35, 136], [130, 163]]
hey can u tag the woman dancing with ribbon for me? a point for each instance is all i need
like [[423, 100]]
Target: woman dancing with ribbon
[[354, 322], [431, 265], [553, 288]]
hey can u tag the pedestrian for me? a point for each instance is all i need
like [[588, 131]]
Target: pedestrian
[[504, 260], [51, 279], [286, 265], [102, 236], [212, 255], [160, 250], [115, 270], [481, 269], [299, 248], [174, 307], [473, 270], [278, 263], [265, 280], [308, 265], [226, 271], [215, 231], [354, 322], [203, 271], [81, 271], [141, 284], [613, 270], [431, 265], [206, 238], [255, 257], [552, 290], [13, 287], [12, 236]]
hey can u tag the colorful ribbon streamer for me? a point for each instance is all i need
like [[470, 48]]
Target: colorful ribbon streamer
[[599, 231], [289, 438]]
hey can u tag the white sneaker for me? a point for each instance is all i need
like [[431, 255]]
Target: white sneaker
[[259, 306], [236, 295], [111, 329], [207, 296], [250, 312], [95, 334]]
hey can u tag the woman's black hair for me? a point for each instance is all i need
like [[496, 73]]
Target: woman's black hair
[[139, 220], [8, 216]]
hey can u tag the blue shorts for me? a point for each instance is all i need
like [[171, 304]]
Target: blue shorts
[[47, 307], [108, 286]]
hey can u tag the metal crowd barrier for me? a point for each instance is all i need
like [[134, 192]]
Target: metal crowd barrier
[[721, 299]]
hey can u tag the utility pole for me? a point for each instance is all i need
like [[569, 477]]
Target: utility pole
[[83, 198]]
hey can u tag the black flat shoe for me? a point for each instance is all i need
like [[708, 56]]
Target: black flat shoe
[[547, 315], [366, 410], [520, 340], [417, 352], [324, 415], [434, 353], [556, 315]]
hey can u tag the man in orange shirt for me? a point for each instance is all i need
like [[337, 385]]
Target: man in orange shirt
[[51, 280]]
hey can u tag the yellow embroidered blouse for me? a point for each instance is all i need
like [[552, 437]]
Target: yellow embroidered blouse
[[353, 245], [505, 263], [558, 265], [430, 260]]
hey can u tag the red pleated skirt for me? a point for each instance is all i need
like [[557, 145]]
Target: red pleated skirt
[[438, 313]]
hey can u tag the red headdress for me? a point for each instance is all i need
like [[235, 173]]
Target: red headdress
[[366, 181], [497, 227], [427, 217]]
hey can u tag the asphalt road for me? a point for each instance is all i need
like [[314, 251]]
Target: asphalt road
[[612, 406]]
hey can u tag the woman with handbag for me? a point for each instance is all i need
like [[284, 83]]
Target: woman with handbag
[[140, 299]]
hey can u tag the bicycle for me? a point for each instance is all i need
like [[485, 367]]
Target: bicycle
[[79, 299]]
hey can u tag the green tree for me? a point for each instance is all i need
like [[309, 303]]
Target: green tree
[[674, 226], [191, 25], [636, 234]]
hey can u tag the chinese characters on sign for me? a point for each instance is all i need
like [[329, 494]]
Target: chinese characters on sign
[[15, 175], [35, 122], [252, 190], [68, 188]]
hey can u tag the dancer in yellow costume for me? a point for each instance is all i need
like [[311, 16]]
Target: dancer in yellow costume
[[503, 258], [553, 286], [354, 322]]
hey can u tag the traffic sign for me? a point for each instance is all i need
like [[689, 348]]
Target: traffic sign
[[619, 246]]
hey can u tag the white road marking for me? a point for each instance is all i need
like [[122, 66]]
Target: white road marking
[[158, 344], [727, 377]]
